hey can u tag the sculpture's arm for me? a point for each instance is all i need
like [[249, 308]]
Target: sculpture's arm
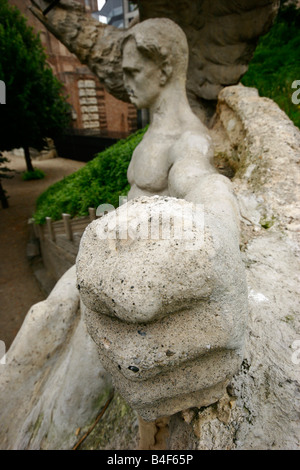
[[95, 44], [194, 178]]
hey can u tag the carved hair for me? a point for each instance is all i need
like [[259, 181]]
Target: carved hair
[[162, 41]]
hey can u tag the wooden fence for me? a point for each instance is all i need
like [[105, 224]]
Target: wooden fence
[[67, 227], [54, 246]]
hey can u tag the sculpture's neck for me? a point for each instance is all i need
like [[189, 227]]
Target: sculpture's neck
[[171, 108]]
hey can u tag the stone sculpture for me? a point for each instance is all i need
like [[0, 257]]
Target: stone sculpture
[[261, 410], [168, 312], [57, 367], [43, 393]]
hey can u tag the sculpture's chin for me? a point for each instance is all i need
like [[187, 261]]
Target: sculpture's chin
[[134, 100]]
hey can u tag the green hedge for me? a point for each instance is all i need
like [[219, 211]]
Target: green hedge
[[102, 180], [36, 174], [276, 62]]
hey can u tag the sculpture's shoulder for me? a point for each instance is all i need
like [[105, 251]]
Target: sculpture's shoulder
[[190, 159], [192, 145]]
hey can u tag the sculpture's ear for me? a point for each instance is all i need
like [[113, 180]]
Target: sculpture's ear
[[166, 67], [166, 72]]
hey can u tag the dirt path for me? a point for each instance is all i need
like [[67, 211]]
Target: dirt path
[[19, 289]]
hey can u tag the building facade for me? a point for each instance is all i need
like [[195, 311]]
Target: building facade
[[93, 108], [119, 13]]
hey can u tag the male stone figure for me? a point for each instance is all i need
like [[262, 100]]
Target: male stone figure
[[169, 322], [175, 157]]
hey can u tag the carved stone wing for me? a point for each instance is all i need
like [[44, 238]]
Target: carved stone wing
[[95, 44], [222, 36]]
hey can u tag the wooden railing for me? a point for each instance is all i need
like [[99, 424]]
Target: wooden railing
[[67, 227], [53, 246]]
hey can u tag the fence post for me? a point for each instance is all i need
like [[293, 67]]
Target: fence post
[[68, 227], [40, 230], [50, 228], [92, 213]]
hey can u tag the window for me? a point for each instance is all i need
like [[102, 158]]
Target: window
[[131, 6]]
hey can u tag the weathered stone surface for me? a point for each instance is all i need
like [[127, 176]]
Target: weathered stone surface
[[150, 258], [52, 382], [141, 288], [261, 407], [117, 429], [264, 397], [267, 145]]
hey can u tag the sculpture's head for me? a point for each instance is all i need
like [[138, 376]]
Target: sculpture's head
[[154, 54]]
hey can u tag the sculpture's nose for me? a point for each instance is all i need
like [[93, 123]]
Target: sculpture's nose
[[128, 88]]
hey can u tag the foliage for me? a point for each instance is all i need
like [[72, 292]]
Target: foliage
[[5, 172], [36, 174], [35, 107], [276, 65], [102, 180]]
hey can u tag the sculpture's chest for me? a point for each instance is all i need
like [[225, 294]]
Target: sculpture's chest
[[149, 166]]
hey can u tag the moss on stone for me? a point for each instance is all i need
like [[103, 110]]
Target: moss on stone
[[267, 223], [117, 429]]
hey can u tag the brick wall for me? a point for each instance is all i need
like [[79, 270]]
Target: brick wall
[[120, 116]]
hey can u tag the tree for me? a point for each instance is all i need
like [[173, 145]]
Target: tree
[[5, 172], [35, 106]]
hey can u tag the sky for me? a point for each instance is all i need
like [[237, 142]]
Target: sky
[[100, 5]]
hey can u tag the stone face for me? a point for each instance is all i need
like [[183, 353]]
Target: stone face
[[168, 314]]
